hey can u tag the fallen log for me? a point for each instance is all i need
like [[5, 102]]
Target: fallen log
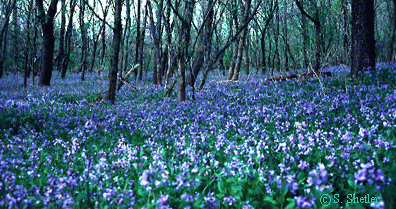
[[301, 76]]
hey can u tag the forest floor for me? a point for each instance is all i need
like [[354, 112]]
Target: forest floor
[[248, 144]]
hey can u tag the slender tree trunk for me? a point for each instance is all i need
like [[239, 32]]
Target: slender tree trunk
[[205, 43], [3, 35], [28, 45], [140, 76], [246, 57], [316, 22], [285, 39], [305, 41], [188, 9], [66, 58], [117, 31], [393, 39], [62, 35], [277, 56], [15, 36], [242, 43], [138, 33], [3, 44], [84, 47]]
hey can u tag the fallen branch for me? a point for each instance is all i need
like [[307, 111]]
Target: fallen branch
[[124, 80], [302, 76]]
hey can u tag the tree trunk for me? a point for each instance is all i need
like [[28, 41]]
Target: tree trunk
[[242, 42], [111, 93], [66, 58], [188, 9], [346, 29], [277, 56], [140, 76], [85, 45], [47, 24], [393, 39], [138, 33], [62, 35], [317, 24], [28, 45], [3, 35], [305, 41], [15, 35], [205, 43], [363, 42]]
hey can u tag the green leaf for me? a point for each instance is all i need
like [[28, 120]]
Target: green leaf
[[351, 182], [270, 200], [221, 186], [126, 184], [291, 205]]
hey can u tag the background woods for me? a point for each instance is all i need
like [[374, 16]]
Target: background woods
[[179, 42], [197, 104]]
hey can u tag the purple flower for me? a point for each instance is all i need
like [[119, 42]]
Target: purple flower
[[229, 200], [303, 165], [144, 178], [163, 199], [304, 202], [187, 198]]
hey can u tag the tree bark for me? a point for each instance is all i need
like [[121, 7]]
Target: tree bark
[[111, 93], [66, 58], [363, 42], [84, 46], [188, 9], [15, 35], [28, 45], [205, 42], [62, 35], [318, 37], [305, 41], [47, 25], [140, 76], [138, 33], [393, 39], [242, 42], [3, 34]]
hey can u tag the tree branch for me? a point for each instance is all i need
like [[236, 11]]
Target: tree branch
[[315, 21], [101, 19]]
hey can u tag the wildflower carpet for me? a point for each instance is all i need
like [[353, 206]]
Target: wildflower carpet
[[247, 144]]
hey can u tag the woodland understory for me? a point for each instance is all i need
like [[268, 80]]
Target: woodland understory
[[197, 104], [246, 144]]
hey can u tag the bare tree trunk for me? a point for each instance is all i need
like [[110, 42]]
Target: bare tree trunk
[[188, 9], [138, 33], [318, 37], [346, 29], [205, 42], [3, 34], [62, 35], [140, 76], [28, 45], [246, 60], [393, 39], [285, 38], [84, 47], [66, 58], [305, 40], [363, 42], [242, 41], [15, 36], [111, 93], [47, 24]]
